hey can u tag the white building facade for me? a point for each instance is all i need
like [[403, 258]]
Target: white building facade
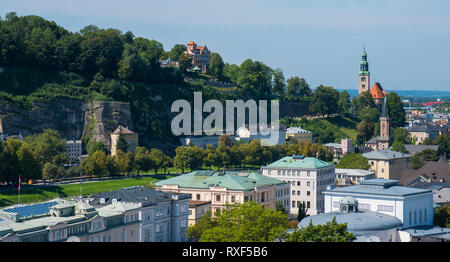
[[414, 207], [308, 178]]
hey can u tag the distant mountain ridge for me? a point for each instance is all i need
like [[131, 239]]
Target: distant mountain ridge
[[407, 93]]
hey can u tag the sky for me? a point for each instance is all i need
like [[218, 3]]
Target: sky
[[407, 41]]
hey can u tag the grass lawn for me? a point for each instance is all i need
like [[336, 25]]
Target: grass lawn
[[39, 194]]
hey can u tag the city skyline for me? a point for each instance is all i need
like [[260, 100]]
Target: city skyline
[[322, 42]]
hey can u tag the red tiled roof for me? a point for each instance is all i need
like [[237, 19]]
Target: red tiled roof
[[377, 91], [192, 43]]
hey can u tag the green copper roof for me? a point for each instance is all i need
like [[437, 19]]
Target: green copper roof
[[232, 180], [307, 162]]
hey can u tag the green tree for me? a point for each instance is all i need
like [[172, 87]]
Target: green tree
[[123, 162], [96, 164], [194, 233], [278, 83], [301, 211], [330, 232], [444, 145], [94, 146], [344, 102], [176, 51], [281, 208], [442, 216], [401, 135], [28, 164], [396, 112], [354, 161], [158, 158], [247, 222], [324, 100], [365, 129], [46, 145], [216, 66], [142, 159], [297, 87], [122, 144], [420, 159], [50, 171], [184, 62], [398, 146]]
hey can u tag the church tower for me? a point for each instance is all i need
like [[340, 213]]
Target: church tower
[[384, 139], [364, 75]]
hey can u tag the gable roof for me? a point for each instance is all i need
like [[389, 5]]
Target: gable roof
[[385, 154], [414, 149], [441, 170], [377, 91], [123, 130]]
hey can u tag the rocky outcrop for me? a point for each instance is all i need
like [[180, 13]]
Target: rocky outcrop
[[73, 119]]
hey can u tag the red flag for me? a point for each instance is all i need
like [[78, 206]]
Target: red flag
[[19, 183]]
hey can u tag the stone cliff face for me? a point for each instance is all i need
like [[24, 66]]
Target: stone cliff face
[[73, 119]]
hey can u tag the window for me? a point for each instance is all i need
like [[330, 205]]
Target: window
[[385, 208], [307, 173], [298, 183], [415, 217], [308, 193], [425, 215], [132, 233], [218, 198], [233, 199], [190, 212], [410, 218], [363, 206], [308, 204], [382, 170], [298, 192], [293, 183], [420, 216], [308, 183], [198, 196], [293, 192], [298, 203], [293, 203]]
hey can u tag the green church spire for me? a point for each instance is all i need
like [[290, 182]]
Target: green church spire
[[364, 65]]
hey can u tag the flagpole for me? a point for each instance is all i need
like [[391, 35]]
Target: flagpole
[[18, 202]]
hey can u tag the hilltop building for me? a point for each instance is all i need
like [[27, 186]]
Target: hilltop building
[[131, 138], [200, 56], [228, 187], [308, 177]]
